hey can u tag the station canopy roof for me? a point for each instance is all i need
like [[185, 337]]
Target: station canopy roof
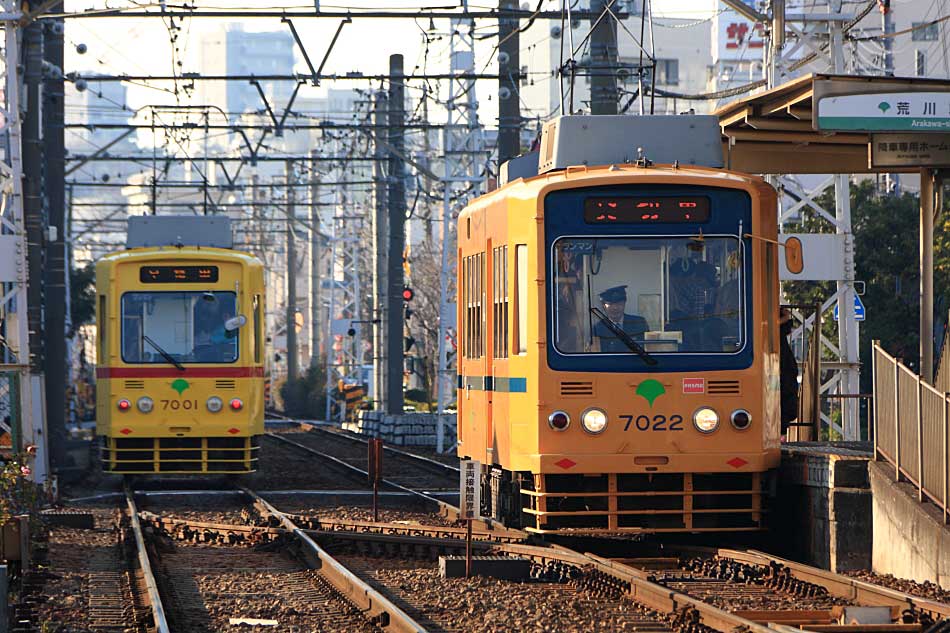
[[774, 132]]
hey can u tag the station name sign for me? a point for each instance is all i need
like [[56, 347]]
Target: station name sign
[[884, 112]]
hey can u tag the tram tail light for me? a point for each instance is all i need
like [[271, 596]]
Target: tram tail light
[[559, 421], [741, 419], [236, 404], [124, 405]]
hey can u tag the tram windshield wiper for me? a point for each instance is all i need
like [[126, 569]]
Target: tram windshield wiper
[[165, 355], [618, 331]]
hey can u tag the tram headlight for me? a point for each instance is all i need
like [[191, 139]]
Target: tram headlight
[[706, 420], [214, 404], [145, 404], [559, 421], [594, 420]]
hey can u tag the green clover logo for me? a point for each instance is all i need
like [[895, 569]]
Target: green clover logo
[[650, 390], [884, 106], [180, 385]]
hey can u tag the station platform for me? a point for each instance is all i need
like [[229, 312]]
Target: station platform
[[823, 508]]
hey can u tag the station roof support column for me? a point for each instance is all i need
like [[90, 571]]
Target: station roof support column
[[927, 177]]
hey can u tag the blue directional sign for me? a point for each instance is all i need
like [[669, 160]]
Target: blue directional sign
[[858, 309]]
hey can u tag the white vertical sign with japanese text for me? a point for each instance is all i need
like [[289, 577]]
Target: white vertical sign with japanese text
[[470, 488]]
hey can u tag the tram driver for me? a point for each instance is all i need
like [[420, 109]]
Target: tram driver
[[614, 301]]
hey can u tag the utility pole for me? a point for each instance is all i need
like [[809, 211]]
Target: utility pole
[[316, 296], [54, 161], [509, 70], [291, 276], [34, 213], [603, 59], [380, 210], [396, 199]]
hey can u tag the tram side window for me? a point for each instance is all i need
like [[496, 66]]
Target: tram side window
[[521, 299], [102, 329], [187, 327], [257, 334], [473, 273], [500, 302]]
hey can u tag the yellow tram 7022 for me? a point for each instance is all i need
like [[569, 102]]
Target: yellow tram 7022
[[618, 333], [180, 375]]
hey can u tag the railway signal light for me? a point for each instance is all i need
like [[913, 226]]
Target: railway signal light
[[407, 294]]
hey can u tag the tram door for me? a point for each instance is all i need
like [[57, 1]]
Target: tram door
[[475, 377]]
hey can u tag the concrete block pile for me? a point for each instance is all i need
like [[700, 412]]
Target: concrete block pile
[[407, 429]]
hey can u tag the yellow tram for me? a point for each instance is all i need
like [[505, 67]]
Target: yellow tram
[[180, 374], [618, 334]]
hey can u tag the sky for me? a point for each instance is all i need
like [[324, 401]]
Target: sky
[[128, 46]]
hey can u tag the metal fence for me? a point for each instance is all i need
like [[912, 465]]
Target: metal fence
[[911, 427]]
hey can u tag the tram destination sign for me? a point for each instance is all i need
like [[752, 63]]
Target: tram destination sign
[[178, 274], [885, 112], [909, 150]]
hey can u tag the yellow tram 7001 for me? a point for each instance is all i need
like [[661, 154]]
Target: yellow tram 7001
[[180, 375], [618, 333]]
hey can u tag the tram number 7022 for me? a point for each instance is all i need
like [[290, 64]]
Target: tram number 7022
[[656, 423]]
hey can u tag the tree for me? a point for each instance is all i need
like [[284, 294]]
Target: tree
[[886, 230], [82, 296], [424, 324]]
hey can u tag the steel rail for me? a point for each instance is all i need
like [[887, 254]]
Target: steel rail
[[359, 471], [643, 591], [374, 604], [425, 461], [159, 621], [859, 591], [445, 509]]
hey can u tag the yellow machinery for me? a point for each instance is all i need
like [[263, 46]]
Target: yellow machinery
[[619, 343], [180, 374]]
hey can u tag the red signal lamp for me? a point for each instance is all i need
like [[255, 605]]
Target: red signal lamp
[[236, 404], [124, 405], [407, 294]]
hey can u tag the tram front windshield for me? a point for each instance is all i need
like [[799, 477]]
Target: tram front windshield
[[187, 326], [669, 295]]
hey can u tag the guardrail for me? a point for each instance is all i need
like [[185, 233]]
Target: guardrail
[[911, 428]]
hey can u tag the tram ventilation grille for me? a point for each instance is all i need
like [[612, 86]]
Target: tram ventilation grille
[[722, 387], [135, 384], [574, 389], [224, 384]]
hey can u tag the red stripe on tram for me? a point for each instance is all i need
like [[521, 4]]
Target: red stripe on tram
[[172, 372]]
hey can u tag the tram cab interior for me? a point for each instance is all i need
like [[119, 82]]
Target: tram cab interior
[[683, 292]]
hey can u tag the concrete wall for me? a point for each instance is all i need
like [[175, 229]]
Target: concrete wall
[[910, 539], [822, 514], [407, 429]]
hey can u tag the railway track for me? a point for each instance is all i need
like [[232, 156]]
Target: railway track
[[696, 591], [347, 458]]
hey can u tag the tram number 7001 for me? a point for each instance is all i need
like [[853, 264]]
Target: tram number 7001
[[656, 423], [175, 405]]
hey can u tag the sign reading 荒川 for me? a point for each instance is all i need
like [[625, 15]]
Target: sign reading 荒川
[[885, 112]]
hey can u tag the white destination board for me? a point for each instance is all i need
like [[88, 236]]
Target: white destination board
[[886, 112], [470, 488]]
